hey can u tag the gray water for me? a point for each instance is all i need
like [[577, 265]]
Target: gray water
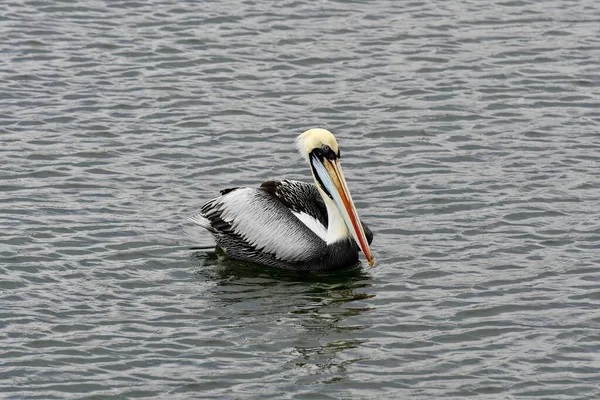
[[470, 140]]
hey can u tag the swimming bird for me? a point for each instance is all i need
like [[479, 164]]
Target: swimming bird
[[290, 224]]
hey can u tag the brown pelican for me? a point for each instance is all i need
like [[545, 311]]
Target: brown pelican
[[290, 224]]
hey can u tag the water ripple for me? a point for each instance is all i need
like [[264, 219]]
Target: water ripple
[[470, 137]]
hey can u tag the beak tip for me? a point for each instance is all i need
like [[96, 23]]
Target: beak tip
[[371, 262]]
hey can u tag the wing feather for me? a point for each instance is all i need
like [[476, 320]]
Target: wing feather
[[263, 223], [305, 202]]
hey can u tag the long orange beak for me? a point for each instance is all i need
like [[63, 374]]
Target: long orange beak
[[335, 182]]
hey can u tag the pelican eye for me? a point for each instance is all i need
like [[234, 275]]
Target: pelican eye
[[328, 152]]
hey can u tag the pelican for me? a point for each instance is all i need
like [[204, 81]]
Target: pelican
[[290, 224]]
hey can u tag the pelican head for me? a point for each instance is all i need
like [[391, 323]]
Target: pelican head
[[320, 149]]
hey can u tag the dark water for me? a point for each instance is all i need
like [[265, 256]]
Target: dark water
[[471, 143]]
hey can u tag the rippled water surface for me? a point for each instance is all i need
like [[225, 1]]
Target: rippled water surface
[[470, 136]]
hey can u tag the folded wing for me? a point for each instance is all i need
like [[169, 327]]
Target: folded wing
[[263, 221]]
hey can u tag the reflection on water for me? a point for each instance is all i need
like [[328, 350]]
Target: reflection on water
[[313, 313]]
